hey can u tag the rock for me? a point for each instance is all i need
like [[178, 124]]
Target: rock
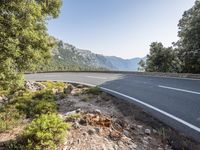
[[68, 89], [85, 134], [145, 142], [154, 131], [3, 99], [83, 122], [97, 111], [159, 148], [39, 86], [115, 136], [78, 110], [91, 131], [29, 86], [55, 91], [133, 146], [34, 86], [97, 130], [139, 126], [76, 125], [147, 131], [126, 133]]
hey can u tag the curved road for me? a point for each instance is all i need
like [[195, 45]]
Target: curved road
[[175, 101]]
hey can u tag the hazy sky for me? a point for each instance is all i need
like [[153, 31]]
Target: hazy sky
[[123, 28]]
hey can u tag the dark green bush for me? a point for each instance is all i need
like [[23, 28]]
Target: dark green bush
[[9, 118], [45, 95], [40, 107], [93, 90], [45, 132]]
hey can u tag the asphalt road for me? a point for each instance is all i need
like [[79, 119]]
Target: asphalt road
[[174, 101]]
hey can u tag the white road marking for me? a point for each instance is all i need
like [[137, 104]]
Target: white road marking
[[182, 90], [156, 109], [96, 77]]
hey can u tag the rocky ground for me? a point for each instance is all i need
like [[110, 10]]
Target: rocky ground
[[103, 122]]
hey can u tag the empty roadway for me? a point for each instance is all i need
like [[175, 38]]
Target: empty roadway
[[174, 101]]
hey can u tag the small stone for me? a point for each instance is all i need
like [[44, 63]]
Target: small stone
[[76, 125], [154, 131], [159, 148], [139, 126], [83, 122], [145, 142], [97, 111], [78, 110], [97, 130], [120, 143], [126, 133], [133, 146], [91, 131], [147, 131], [85, 134]]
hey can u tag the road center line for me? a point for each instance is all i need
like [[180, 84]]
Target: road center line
[[182, 90]]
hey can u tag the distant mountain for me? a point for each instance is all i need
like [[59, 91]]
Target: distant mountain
[[124, 64], [67, 57]]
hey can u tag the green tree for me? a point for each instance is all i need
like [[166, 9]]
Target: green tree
[[142, 65], [24, 42], [160, 59], [189, 42]]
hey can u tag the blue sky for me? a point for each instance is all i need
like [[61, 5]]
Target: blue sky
[[123, 28]]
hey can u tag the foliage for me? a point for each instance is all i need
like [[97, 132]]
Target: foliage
[[24, 41], [73, 116], [93, 90], [67, 58], [160, 59], [45, 132], [54, 85], [189, 43], [9, 118], [44, 95], [185, 56]]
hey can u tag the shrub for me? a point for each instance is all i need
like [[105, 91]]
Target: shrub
[[93, 90], [44, 95], [9, 118], [54, 85], [40, 107], [45, 132]]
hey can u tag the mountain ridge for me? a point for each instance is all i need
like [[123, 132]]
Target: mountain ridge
[[66, 56]]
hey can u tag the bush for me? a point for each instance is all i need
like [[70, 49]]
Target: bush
[[54, 85], [35, 104], [40, 107], [9, 118], [45, 132], [93, 90], [45, 95]]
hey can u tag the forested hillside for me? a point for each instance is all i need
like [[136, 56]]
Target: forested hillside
[[66, 57]]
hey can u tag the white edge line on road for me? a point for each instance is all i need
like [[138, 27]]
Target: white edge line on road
[[139, 101], [177, 89], [154, 108]]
